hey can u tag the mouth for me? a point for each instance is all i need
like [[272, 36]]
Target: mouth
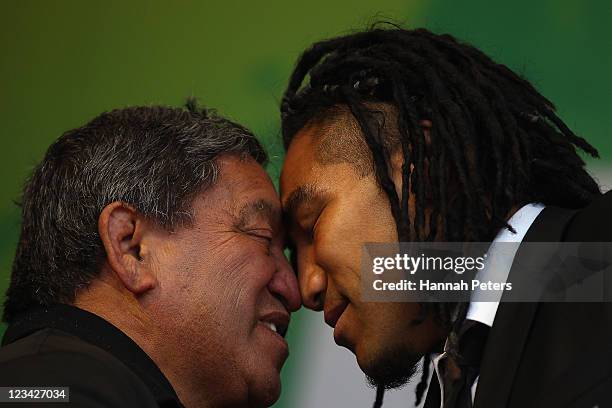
[[333, 313], [277, 322]]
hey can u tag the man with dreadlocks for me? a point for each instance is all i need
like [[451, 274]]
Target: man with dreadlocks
[[405, 135]]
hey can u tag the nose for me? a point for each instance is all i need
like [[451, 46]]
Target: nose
[[284, 284], [312, 280]]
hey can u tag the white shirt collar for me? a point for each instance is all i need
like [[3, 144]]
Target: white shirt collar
[[499, 262]]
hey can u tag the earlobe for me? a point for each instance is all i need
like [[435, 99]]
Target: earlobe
[[122, 230]]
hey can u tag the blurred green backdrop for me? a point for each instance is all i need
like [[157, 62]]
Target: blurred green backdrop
[[63, 62]]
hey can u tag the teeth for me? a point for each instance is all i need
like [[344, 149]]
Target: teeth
[[272, 326]]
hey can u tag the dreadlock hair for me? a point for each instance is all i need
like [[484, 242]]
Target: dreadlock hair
[[495, 142]]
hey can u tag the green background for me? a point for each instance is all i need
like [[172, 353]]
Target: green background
[[64, 62]]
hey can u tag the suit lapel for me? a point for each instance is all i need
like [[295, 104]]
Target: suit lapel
[[507, 338]]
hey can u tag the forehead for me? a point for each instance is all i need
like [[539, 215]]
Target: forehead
[[337, 138], [240, 182], [303, 169], [300, 163]]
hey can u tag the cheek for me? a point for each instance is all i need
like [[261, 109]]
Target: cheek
[[244, 262], [223, 280], [345, 227], [242, 273], [337, 252]]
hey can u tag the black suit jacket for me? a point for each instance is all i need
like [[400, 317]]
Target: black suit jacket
[[63, 346], [552, 354]]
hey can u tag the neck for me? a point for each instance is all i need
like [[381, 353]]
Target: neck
[[121, 308]]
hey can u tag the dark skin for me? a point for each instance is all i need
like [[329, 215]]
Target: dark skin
[[332, 211]]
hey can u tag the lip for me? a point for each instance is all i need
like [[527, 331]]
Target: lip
[[280, 319], [333, 313]]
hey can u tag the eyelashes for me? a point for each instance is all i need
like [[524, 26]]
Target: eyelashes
[[312, 231], [262, 237]]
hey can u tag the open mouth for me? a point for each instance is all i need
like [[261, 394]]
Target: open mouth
[[277, 322]]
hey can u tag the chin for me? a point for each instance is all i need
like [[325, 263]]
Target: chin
[[265, 390], [390, 367]]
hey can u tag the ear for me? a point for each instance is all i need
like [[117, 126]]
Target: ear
[[397, 158], [121, 229]]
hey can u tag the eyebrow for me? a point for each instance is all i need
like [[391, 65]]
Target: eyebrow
[[301, 195], [259, 208]]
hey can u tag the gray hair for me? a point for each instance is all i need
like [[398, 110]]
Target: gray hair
[[156, 159]]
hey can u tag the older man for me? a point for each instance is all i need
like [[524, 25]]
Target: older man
[[150, 271]]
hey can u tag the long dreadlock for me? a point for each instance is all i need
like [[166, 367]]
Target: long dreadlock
[[495, 141]]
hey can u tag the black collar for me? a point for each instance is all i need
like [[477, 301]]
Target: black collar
[[97, 331]]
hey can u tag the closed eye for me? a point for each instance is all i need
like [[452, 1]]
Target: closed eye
[[261, 235], [313, 230]]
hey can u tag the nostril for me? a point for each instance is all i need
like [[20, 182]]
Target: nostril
[[313, 300], [313, 284], [318, 301]]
